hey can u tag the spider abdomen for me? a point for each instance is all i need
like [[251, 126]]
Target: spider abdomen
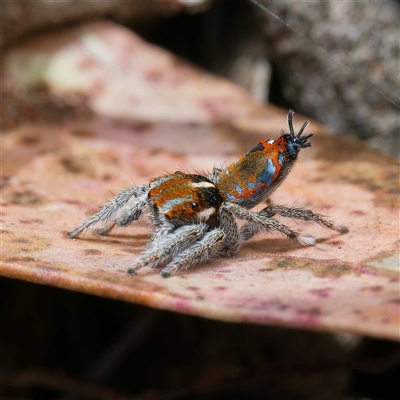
[[252, 176], [256, 174]]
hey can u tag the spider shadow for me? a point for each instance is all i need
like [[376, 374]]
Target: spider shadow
[[272, 245], [281, 245], [267, 245], [262, 246], [129, 242]]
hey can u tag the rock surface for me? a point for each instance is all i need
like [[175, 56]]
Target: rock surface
[[341, 66]]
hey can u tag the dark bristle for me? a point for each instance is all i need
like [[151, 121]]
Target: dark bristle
[[297, 141], [290, 122], [302, 128]]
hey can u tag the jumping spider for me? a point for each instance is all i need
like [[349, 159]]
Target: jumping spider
[[194, 215]]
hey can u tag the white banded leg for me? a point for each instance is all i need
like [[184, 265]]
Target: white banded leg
[[199, 252], [169, 246]]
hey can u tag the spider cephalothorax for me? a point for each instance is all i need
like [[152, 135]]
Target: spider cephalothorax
[[181, 199], [195, 215]]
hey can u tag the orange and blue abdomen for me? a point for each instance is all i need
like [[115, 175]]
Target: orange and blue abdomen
[[253, 177]]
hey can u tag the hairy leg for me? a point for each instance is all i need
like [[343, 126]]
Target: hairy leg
[[258, 222], [170, 245], [215, 174], [125, 216], [302, 214], [250, 229], [232, 240], [159, 233], [199, 252]]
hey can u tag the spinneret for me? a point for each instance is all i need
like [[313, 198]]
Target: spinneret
[[194, 216]]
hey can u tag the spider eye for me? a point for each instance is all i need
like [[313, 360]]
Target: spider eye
[[194, 205]]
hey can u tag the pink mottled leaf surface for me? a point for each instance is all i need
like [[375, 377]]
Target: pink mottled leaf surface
[[161, 115]]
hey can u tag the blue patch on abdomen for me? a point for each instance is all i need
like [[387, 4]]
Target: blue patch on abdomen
[[280, 158], [267, 175], [251, 185], [263, 180], [230, 197], [238, 189]]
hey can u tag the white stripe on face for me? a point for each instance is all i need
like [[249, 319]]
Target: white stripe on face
[[203, 184], [205, 214], [170, 204]]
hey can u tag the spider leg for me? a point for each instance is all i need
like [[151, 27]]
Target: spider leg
[[125, 215], [249, 230], [302, 214], [199, 252], [215, 174], [168, 246], [258, 222], [159, 233], [232, 240]]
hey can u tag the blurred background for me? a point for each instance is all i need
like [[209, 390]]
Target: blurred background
[[337, 62]]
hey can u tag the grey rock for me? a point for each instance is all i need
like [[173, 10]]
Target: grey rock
[[343, 68]]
